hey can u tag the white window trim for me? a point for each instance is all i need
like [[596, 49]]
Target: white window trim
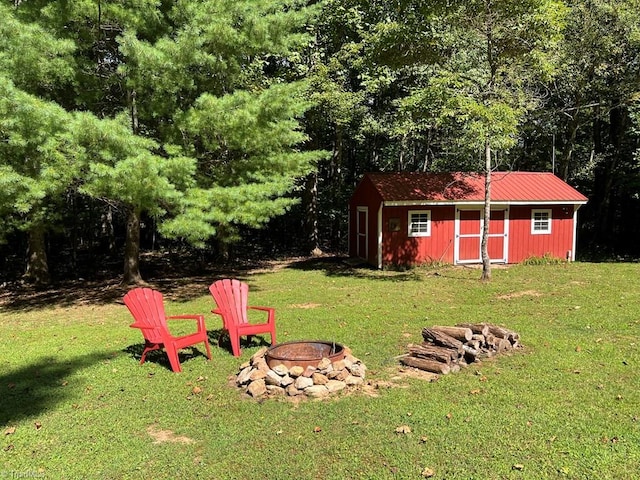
[[546, 231], [409, 223]]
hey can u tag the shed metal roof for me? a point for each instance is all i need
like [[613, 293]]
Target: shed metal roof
[[521, 187]]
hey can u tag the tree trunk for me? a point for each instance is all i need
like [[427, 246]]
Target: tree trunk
[[484, 247], [311, 212], [132, 249], [37, 270]]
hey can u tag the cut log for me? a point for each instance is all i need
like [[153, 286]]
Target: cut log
[[470, 354], [441, 339], [429, 350], [502, 332], [502, 345], [490, 341], [478, 337], [426, 365], [478, 328], [459, 333]]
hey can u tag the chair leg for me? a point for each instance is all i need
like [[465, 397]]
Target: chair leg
[[172, 353], [206, 345], [235, 344]]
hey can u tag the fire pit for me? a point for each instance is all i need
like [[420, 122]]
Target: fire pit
[[308, 368], [304, 353]]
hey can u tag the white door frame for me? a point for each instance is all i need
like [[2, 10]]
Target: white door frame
[[457, 235], [362, 235]]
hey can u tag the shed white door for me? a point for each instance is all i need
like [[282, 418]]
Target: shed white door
[[468, 236], [362, 232], [469, 224]]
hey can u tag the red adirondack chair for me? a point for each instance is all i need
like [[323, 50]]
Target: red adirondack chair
[[231, 298], [147, 307]]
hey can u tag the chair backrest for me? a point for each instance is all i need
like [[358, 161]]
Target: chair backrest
[[231, 296], [147, 307]]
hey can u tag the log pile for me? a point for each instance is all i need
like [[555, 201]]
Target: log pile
[[445, 349]]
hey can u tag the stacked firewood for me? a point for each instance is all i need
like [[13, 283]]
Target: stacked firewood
[[445, 349]]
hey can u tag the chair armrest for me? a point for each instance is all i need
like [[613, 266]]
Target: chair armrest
[[185, 317], [142, 326], [270, 311], [266, 309]]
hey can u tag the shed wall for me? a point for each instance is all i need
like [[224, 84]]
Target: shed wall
[[523, 244], [400, 249]]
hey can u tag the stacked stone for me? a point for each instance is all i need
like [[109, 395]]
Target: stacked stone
[[260, 380]]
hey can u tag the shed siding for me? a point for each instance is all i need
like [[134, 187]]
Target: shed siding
[[388, 199], [400, 249], [523, 245], [365, 195]]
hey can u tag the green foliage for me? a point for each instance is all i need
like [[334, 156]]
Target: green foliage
[[39, 158], [31, 57], [76, 403], [546, 259], [180, 101]]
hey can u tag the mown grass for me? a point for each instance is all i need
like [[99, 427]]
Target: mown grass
[[74, 403]]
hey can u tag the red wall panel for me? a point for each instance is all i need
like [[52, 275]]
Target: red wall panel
[[523, 245]]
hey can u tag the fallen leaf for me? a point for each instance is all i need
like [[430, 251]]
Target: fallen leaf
[[38, 425], [448, 416], [317, 429], [475, 392], [196, 390], [10, 431], [8, 448], [200, 379], [424, 439], [518, 466], [428, 472], [403, 429], [11, 385]]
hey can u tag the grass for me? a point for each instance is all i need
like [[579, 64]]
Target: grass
[[74, 403]]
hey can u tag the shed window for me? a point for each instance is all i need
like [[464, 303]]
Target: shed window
[[540, 222], [419, 223]]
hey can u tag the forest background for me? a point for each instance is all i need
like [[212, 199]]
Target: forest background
[[218, 130]]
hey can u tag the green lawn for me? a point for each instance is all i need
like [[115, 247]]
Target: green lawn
[[74, 403]]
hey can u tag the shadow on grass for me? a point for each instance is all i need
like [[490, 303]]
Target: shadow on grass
[[182, 285], [217, 338], [221, 338], [342, 267], [176, 284], [159, 357], [36, 388]]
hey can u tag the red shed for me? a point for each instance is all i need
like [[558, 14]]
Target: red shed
[[412, 218]]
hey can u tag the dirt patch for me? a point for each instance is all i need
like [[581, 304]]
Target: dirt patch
[[526, 293], [306, 305], [416, 373], [166, 436]]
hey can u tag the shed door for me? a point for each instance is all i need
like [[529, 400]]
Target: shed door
[[497, 242], [469, 236], [362, 232]]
